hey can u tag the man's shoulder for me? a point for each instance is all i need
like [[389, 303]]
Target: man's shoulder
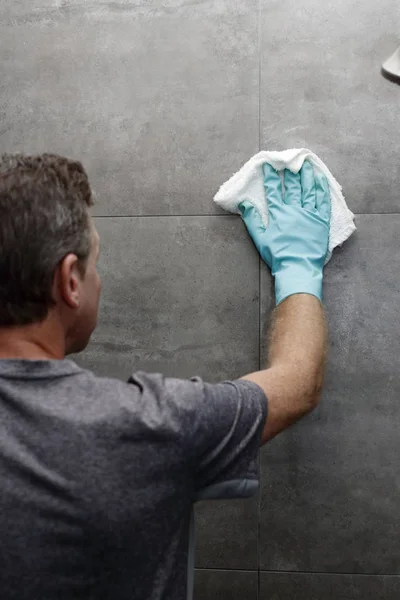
[[139, 387]]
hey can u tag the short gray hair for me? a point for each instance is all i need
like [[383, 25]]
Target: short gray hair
[[44, 202]]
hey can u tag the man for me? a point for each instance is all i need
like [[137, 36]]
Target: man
[[97, 476]]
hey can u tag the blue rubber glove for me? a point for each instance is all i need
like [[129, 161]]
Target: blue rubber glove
[[295, 243]]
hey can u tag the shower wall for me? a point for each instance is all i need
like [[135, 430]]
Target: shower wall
[[162, 101]]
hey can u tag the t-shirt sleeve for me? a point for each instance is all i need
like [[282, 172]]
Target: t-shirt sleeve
[[217, 428]]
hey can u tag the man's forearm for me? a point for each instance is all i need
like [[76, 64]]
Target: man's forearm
[[293, 378], [298, 344]]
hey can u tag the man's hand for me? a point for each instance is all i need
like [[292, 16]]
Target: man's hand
[[295, 243]]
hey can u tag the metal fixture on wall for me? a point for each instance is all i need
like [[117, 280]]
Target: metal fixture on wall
[[391, 67]]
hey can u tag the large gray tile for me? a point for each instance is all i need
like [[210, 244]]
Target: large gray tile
[[322, 88], [158, 99], [330, 485], [225, 585], [227, 534], [181, 296], [296, 586]]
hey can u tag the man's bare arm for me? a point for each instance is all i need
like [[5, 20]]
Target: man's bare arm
[[294, 244], [293, 378]]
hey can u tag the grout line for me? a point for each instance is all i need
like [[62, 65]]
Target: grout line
[[258, 541], [259, 454], [162, 216], [230, 215], [260, 340], [227, 570], [331, 573], [327, 573], [377, 214], [259, 75]]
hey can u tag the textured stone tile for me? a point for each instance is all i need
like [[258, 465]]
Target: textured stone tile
[[158, 99], [330, 485], [321, 88], [180, 295], [225, 585], [227, 534], [312, 586]]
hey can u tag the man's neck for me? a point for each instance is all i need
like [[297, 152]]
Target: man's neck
[[39, 341]]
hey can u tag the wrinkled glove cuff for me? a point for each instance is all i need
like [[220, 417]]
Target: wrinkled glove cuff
[[288, 283]]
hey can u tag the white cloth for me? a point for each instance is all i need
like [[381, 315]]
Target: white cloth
[[248, 184]]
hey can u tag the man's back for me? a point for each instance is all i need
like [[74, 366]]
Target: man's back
[[98, 477]]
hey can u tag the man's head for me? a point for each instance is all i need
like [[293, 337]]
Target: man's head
[[48, 247]]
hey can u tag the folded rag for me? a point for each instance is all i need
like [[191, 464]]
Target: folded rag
[[248, 184]]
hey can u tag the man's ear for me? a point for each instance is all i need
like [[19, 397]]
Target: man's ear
[[69, 280]]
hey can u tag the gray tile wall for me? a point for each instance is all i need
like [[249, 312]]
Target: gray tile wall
[[162, 101]]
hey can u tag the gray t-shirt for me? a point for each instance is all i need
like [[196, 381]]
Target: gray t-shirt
[[98, 477]]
